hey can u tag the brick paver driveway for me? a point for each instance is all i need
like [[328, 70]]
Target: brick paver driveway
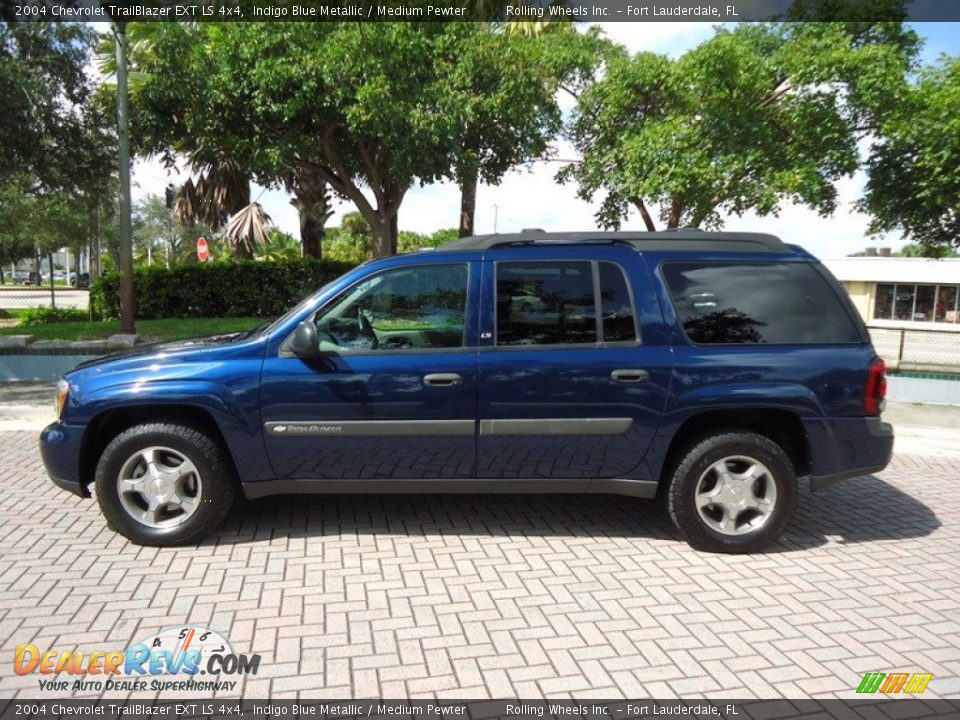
[[504, 596]]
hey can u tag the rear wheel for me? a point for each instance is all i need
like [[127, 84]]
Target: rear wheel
[[164, 484], [733, 492]]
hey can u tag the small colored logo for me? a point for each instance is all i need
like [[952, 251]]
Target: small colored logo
[[878, 682], [159, 658]]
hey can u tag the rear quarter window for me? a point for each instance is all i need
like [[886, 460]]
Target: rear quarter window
[[757, 303]]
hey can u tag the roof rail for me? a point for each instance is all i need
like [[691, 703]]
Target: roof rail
[[675, 239]]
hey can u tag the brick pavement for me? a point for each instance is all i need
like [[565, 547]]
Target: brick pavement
[[482, 596]]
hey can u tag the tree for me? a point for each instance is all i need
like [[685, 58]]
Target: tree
[[16, 240], [279, 246], [914, 167], [158, 233], [44, 89], [409, 241], [176, 99], [352, 241], [926, 250], [56, 148], [355, 106], [753, 117], [365, 110], [506, 108]]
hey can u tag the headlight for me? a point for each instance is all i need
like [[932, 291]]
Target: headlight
[[63, 391]]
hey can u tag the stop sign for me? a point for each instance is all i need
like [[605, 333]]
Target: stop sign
[[203, 250]]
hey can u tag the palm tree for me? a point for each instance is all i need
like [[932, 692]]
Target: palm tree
[[220, 188]]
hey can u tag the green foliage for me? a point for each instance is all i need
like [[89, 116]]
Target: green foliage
[[169, 329], [375, 108], [56, 150], [753, 117], [412, 241], [46, 92], [158, 234], [926, 251], [914, 169], [279, 246], [243, 288], [48, 315], [352, 242]]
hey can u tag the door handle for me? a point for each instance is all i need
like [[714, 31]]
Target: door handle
[[630, 375], [442, 379]]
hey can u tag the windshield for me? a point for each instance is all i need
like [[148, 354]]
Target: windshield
[[270, 325]]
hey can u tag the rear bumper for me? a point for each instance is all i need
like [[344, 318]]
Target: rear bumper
[[860, 446], [60, 451]]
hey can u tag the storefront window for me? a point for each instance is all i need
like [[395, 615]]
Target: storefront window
[[923, 308], [883, 307], [917, 303], [946, 308], [903, 305]]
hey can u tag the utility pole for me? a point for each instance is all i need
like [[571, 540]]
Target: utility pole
[[123, 137]]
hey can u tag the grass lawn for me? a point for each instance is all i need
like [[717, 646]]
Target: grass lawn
[[167, 329]]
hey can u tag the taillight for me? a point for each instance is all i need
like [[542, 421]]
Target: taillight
[[876, 389]]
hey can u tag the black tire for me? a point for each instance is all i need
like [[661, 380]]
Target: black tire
[[216, 493], [681, 493]]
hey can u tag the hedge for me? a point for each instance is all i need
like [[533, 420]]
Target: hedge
[[239, 289]]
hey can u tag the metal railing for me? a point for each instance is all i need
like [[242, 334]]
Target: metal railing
[[917, 348]]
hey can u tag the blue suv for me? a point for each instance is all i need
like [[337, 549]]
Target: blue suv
[[715, 371]]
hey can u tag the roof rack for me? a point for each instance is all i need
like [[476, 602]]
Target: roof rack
[[682, 239]]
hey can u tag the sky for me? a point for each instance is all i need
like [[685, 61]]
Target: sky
[[530, 197]]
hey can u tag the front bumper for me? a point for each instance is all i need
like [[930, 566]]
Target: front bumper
[[862, 446], [60, 451]]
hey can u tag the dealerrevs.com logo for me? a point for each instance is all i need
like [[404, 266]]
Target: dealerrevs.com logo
[[171, 659]]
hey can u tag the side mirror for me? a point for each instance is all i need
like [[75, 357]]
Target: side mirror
[[305, 341]]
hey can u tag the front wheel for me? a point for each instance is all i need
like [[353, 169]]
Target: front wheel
[[733, 492], [164, 484]]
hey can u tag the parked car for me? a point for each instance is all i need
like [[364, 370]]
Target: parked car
[[716, 371], [81, 281]]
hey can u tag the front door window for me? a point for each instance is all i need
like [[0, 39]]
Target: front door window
[[409, 308]]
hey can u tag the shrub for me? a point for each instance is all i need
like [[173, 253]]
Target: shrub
[[46, 315], [228, 289]]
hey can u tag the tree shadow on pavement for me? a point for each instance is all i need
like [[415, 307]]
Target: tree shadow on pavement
[[856, 511]]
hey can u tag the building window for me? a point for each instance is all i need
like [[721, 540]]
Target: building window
[[883, 307], [946, 308], [916, 303], [903, 302]]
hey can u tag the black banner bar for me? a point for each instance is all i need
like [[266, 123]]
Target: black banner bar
[[711, 11], [879, 708]]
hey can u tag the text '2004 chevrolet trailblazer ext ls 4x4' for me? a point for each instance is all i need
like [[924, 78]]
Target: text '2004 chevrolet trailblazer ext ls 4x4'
[[717, 370]]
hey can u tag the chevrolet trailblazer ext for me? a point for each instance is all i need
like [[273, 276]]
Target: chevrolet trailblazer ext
[[716, 370]]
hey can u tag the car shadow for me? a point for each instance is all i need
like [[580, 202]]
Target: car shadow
[[855, 511]]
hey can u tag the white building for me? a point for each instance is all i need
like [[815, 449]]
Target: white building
[[895, 292]]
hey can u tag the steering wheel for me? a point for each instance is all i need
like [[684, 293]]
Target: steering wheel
[[366, 329]]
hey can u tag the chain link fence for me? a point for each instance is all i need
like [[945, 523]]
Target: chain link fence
[[15, 297], [917, 349]]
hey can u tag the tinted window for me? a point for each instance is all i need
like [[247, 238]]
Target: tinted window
[[779, 303], [618, 323], [403, 309], [545, 303]]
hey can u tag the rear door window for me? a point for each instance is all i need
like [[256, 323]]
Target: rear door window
[[748, 303], [563, 303]]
